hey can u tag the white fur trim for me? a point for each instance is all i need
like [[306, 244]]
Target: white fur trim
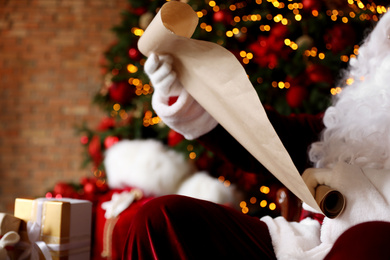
[[203, 186], [147, 165]]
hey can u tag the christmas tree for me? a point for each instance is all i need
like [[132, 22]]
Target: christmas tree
[[293, 52]]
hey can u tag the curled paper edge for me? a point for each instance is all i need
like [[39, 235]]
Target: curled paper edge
[[331, 202], [166, 23]]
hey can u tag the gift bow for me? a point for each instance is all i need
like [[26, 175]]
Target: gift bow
[[34, 234], [119, 202], [10, 238]]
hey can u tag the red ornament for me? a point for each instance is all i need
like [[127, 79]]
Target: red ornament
[[279, 31], [174, 138], [95, 150], [295, 96], [106, 123], [110, 141], [102, 185], [134, 54], [90, 188], [317, 73], [222, 16], [310, 5], [249, 181], [268, 50], [219, 17], [84, 180], [64, 189], [204, 161], [138, 11], [84, 139], [339, 37], [121, 92], [297, 81]]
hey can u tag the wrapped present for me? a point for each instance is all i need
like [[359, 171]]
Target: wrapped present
[[54, 229]]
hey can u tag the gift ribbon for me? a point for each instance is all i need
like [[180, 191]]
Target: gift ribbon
[[81, 243], [78, 245], [9, 239], [34, 234]]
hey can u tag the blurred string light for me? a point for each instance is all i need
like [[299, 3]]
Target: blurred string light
[[225, 182], [191, 154], [149, 119], [291, 44], [206, 27], [245, 206], [137, 31], [335, 91], [132, 68], [141, 89], [280, 84], [335, 15], [246, 56]]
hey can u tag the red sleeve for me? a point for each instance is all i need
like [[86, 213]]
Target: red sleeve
[[296, 132]]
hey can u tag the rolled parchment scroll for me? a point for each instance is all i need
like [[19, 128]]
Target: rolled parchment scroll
[[216, 79], [331, 202]]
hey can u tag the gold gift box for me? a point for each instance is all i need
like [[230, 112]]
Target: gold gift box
[[65, 225]]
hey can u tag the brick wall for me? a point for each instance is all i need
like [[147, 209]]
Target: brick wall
[[49, 71]]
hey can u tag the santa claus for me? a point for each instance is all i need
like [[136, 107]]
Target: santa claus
[[349, 148]]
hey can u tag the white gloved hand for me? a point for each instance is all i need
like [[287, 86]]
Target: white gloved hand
[[186, 116]]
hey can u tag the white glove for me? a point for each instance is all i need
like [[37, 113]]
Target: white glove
[[186, 116], [367, 193]]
